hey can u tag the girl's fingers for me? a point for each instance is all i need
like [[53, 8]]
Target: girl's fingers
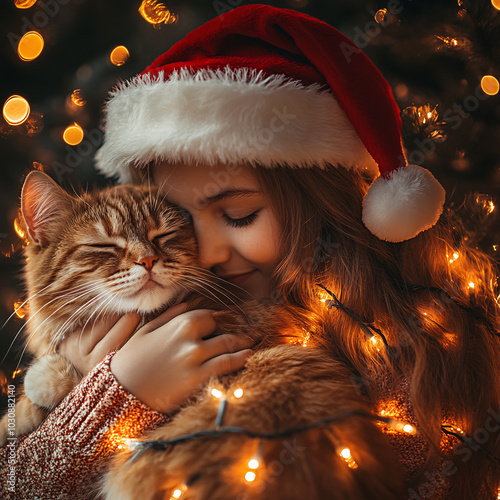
[[225, 364], [85, 339], [164, 317], [118, 334], [225, 343]]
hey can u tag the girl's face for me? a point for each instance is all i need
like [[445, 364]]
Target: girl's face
[[236, 230]]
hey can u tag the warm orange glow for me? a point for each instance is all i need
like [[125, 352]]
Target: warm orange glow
[[19, 309], [345, 454], [402, 427], [155, 12], [306, 339], [119, 55], [30, 46], [18, 229], [253, 463], [16, 110], [216, 393], [250, 476], [73, 135], [471, 285], [490, 85], [380, 15], [496, 4], [15, 373], [38, 166], [77, 98], [24, 4], [238, 393], [177, 493], [491, 207]]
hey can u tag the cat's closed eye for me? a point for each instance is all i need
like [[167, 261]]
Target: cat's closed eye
[[110, 245], [162, 238]]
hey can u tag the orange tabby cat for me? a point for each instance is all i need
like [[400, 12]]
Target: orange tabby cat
[[93, 254]]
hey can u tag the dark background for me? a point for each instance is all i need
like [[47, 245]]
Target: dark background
[[433, 53]]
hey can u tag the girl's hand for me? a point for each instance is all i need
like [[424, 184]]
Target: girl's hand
[[170, 357], [88, 347]]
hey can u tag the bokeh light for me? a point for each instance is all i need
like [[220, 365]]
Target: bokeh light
[[30, 46], [156, 13], [119, 55], [490, 84], [24, 4], [16, 110], [496, 4], [73, 135], [78, 98]]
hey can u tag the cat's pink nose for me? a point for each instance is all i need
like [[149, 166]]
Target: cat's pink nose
[[148, 262]]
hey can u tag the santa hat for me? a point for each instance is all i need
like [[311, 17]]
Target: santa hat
[[272, 87]]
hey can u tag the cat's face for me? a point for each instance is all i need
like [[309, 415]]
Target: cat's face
[[117, 250]]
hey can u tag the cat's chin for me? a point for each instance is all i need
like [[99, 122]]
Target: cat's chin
[[149, 302]]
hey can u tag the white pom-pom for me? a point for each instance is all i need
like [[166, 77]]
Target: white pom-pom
[[398, 208]]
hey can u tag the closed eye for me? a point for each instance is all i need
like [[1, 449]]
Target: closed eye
[[102, 245], [162, 237]]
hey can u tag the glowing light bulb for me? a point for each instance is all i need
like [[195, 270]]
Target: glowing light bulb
[[16, 110], [490, 84], [401, 426], [216, 393], [253, 463], [471, 285], [30, 46], [250, 476], [73, 135], [176, 493], [345, 454], [496, 4], [238, 393], [119, 55]]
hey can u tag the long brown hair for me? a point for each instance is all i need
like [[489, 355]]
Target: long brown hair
[[418, 292]]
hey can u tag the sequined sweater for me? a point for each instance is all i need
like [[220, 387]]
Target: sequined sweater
[[66, 455]]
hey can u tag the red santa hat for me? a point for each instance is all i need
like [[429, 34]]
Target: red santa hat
[[272, 87]]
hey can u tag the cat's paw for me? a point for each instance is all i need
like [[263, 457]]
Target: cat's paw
[[49, 380]]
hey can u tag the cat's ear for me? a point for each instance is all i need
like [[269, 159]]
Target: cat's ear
[[43, 203]]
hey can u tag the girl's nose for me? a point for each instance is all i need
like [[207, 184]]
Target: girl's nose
[[213, 249]]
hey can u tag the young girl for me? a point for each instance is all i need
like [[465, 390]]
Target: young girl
[[282, 142]]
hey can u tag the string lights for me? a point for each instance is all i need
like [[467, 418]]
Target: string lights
[[256, 461]]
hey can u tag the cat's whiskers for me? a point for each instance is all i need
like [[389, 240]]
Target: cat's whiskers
[[32, 316], [79, 312], [208, 287], [32, 297], [33, 333]]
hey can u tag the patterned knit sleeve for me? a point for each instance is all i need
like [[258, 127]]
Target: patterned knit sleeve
[[65, 456]]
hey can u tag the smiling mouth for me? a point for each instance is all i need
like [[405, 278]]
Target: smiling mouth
[[238, 279]]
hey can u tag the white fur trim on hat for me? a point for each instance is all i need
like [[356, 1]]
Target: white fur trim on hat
[[409, 201], [226, 116]]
